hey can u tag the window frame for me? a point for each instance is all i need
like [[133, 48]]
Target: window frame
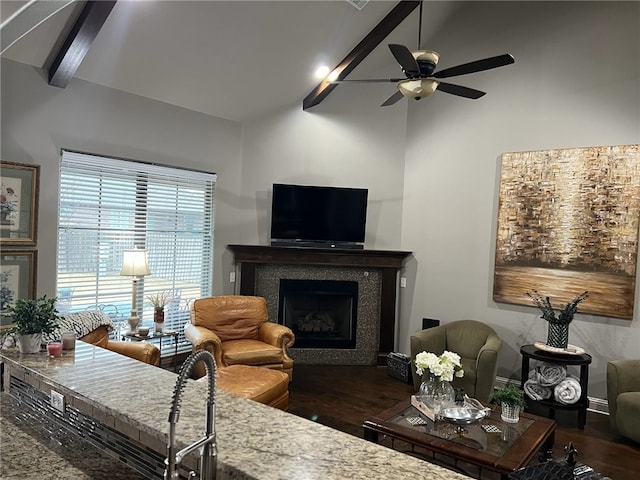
[[127, 204]]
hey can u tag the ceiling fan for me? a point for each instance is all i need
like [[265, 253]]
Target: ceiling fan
[[421, 77], [419, 68]]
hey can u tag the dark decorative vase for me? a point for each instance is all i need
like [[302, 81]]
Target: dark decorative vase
[[558, 335], [158, 319]]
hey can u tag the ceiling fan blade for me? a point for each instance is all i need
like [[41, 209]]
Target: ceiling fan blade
[[371, 80], [477, 66], [405, 58], [392, 99], [460, 91]]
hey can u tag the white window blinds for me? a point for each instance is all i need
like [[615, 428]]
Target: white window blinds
[[109, 205]]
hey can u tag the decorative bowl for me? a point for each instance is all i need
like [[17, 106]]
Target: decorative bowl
[[143, 331], [463, 415]]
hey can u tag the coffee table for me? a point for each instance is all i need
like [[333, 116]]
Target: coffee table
[[513, 447]]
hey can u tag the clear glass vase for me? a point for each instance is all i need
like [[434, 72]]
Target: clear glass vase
[[437, 394]]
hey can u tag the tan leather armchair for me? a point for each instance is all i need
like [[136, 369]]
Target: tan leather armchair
[[236, 330], [478, 346], [142, 351]]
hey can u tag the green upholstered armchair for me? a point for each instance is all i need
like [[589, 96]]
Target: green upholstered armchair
[[623, 395], [478, 346]]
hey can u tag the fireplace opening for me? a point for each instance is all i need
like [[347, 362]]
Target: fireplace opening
[[321, 313]]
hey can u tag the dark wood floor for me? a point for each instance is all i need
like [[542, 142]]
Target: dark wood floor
[[341, 397]]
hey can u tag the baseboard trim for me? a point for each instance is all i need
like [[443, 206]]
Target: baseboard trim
[[596, 405]]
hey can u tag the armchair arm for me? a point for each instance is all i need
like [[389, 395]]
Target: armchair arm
[[487, 368], [622, 376], [142, 351], [204, 339], [276, 335]]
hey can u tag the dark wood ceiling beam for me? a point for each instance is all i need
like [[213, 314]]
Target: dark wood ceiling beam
[[360, 52], [77, 44]]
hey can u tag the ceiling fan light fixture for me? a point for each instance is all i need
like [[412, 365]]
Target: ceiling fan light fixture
[[419, 88]]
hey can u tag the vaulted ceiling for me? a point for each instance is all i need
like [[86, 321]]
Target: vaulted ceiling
[[230, 59]]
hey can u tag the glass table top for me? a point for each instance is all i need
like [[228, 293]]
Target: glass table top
[[491, 435]]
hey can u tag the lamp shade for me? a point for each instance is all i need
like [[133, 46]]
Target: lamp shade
[[135, 263]]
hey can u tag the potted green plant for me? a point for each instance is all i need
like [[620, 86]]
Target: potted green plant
[[31, 318], [511, 399]]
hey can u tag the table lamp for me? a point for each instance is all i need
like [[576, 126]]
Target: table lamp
[[134, 265]]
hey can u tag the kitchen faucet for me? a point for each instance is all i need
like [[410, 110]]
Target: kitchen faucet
[[208, 453]]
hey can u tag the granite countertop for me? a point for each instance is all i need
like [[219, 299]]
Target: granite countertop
[[254, 441], [29, 449]]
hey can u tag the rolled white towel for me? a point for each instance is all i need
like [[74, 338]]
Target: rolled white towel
[[568, 391], [536, 391], [550, 374]]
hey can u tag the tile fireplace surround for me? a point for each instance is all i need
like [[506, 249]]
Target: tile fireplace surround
[[262, 267]]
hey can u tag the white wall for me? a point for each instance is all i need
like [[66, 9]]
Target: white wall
[[575, 83], [346, 141], [39, 120]]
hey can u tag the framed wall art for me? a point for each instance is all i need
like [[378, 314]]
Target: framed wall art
[[18, 203], [17, 277], [568, 222]]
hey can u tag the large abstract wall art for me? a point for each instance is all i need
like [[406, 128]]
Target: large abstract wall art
[[568, 222]]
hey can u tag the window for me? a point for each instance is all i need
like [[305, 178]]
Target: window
[[109, 205]]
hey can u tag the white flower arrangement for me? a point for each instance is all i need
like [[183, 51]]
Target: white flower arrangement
[[444, 366]]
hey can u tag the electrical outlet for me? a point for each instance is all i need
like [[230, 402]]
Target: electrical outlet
[[57, 401], [232, 277], [403, 282]]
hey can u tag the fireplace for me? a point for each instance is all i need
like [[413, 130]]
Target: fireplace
[[373, 312], [321, 313]]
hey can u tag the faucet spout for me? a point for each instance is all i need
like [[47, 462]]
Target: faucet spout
[[208, 455]]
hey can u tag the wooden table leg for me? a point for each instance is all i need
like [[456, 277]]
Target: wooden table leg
[[546, 453], [371, 435]]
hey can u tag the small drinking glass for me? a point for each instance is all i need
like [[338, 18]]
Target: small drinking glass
[[54, 349], [68, 340]]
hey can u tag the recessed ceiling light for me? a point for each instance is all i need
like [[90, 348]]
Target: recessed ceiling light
[[322, 71]]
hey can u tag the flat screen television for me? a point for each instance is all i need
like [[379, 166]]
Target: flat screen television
[[304, 215]]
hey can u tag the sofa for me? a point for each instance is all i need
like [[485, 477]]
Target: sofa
[[94, 326], [623, 396], [142, 351]]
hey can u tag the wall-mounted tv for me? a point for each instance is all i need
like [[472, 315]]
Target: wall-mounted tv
[[304, 215]]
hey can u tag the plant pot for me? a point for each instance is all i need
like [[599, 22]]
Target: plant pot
[[558, 335], [29, 343], [510, 413]]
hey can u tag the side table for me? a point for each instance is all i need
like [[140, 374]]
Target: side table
[[136, 337], [529, 352]]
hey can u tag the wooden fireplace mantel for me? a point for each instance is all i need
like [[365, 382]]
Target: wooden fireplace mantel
[[248, 257]]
